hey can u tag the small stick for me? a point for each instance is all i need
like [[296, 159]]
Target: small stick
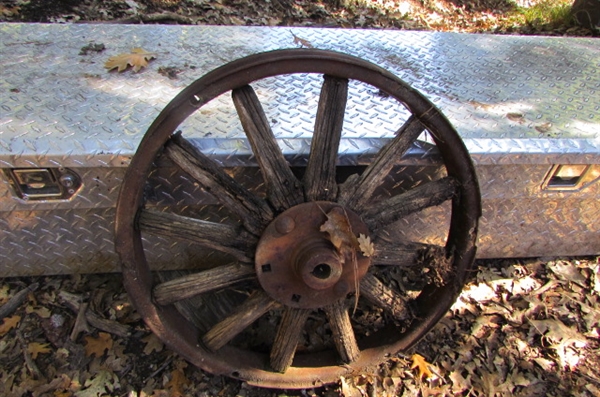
[[31, 365], [81, 323], [103, 324], [160, 369], [17, 300]]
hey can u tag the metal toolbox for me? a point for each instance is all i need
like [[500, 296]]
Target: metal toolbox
[[528, 109]]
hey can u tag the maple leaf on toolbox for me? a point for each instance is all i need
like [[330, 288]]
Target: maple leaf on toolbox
[[138, 58]]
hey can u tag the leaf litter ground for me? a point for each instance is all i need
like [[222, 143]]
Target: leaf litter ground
[[477, 16], [520, 327]]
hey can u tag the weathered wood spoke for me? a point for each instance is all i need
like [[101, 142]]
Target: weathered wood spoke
[[248, 312], [254, 212], [383, 296], [357, 190], [343, 334], [399, 253], [319, 179], [427, 195], [198, 283], [283, 189], [288, 336], [220, 237]]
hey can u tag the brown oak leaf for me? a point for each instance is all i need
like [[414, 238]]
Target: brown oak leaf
[[35, 348], [8, 324], [366, 246], [343, 239], [301, 42], [41, 311], [102, 382], [138, 58], [340, 232], [98, 345], [422, 366], [152, 344], [178, 380]]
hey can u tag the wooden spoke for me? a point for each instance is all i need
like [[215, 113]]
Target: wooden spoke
[[221, 237], [248, 312], [356, 191], [288, 336], [343, 334], [399, 253], [254, 212], [208, 280], [283, 189], [319, 179], [427, 195], [383, 296]]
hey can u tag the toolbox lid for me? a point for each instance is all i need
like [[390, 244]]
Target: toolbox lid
[[513, 99]]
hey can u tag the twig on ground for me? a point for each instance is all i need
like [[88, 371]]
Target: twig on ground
[[31, 366], [81, 324], [17, 300], [93, 319], [160, 369]]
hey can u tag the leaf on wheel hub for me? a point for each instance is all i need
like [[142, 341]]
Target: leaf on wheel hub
[[340, 233]]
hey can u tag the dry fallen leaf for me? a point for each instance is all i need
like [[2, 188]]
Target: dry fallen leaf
[[366, 246], [517, 117], [152, 344], [340, 232], [302, 42], [343, 239], [104, 381], [4, 294], [8, 324], [41, 311], [543, 128], [138, 58], [35, 348], [178, 380], [422, 365], [98, 345]]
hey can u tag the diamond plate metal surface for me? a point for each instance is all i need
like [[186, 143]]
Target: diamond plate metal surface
[[522, 104]]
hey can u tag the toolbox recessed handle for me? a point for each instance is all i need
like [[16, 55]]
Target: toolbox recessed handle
[[43, 184], [570, 177]]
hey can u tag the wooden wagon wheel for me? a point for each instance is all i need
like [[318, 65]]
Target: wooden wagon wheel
[[299, 265]]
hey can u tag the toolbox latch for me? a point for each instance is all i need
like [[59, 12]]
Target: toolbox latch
[[39, 184], [570, 176]]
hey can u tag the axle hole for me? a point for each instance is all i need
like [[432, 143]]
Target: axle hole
[[266, 268], [322, 271]]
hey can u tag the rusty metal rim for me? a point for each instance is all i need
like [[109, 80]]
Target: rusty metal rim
[[177, 332]]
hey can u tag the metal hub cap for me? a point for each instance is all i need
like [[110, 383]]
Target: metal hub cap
[[297, 264]]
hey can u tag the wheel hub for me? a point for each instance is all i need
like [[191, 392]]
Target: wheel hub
[[297, 264]]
